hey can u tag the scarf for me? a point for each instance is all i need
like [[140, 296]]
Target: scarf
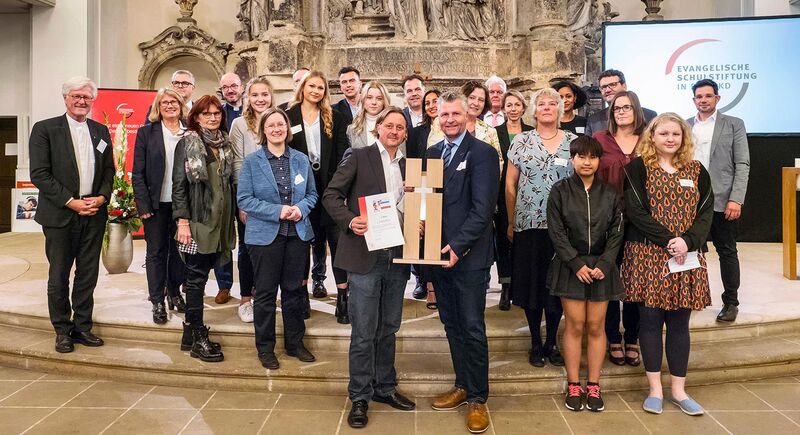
[[196, 168]]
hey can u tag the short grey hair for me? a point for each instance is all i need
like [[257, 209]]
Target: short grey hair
[[182, 71], [547, 93], [495, 80], [78, 82], [449, 97]]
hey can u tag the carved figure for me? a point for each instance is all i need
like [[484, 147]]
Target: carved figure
[[404, 15], [253, 19], [475, 20]]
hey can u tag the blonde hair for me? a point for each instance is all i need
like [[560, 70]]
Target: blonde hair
[[646, 146], [548, 93], [360, 121], [325, 111], [155, 109], [249, 114]]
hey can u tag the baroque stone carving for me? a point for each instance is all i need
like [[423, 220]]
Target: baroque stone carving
[[178, 41], [253, 19], [186, 8]]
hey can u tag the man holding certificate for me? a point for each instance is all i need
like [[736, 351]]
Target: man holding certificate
[[471, 178], [369, 182]]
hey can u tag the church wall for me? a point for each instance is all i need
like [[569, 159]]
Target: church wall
[[147, 18], [15, 47]]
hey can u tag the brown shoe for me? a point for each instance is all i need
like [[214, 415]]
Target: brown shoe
[[450, 400], [477, 417], [223, 296]]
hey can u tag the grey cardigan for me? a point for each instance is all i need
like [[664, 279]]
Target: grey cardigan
[[243, 143]]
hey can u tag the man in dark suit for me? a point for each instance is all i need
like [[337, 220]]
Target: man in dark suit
[[350, 84], [376, 283], [471, 178], [611, 82], [413, 91], [721, 146], [73, 168]]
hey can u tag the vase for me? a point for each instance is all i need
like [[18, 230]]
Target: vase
[[118, 253]]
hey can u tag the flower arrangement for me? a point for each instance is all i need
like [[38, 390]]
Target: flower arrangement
[[121, 205]]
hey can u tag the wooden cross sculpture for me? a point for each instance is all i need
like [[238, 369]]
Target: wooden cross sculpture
[[423, 204]]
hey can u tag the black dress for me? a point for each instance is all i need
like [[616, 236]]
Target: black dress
[[577, 125]]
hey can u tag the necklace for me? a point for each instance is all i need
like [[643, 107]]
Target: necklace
[[548, 138]]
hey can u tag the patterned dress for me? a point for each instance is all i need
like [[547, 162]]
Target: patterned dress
[[645, 274]]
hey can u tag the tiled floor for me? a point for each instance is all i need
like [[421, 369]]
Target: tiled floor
[[37, 403]]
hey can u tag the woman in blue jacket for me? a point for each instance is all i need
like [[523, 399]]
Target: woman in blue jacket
[[277, 191]]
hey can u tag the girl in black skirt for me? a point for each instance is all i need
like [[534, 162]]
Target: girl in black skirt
[[584, 221]]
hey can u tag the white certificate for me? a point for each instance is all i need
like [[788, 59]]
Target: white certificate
[[383, 224]]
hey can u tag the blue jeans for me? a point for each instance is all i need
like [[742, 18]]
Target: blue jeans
[[224, 275], [375, 308], [461, 298]]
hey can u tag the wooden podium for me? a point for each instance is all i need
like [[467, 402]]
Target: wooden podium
[[423, 194], [789, 202]]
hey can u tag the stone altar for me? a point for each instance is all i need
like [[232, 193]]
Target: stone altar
[[527, 42]]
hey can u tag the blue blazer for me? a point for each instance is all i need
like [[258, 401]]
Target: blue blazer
[[471, 185], [258, 196]]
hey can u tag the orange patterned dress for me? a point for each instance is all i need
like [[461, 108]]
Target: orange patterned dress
[[645, 274]]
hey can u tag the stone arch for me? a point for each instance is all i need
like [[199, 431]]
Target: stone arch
[[180, 41]]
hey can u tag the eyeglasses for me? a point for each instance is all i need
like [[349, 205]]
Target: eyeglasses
[[609, 85], [209, 115], [178, 84], [623, 109], [85, 98], [167, 103], [229, 87]]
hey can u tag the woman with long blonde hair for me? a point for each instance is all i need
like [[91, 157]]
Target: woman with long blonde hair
[[244, 139], [374, 98], [669, 204], [319, 132]]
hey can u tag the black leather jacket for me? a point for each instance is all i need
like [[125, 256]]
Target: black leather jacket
[[585, 223]]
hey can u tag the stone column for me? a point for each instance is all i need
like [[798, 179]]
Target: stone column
[[552, 52], [286, 15], [286, 45]]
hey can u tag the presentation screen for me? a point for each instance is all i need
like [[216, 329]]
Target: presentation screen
[[756, 63]]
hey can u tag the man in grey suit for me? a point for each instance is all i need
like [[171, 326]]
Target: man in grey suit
[[611, 81], [721, 146]]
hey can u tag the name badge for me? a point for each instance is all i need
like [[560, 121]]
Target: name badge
[[687, 183], [298, 179], [560, 162], [462, 166], [297, 129], [101, 146], [580, 130]]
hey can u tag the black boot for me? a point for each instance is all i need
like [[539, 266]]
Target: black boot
[[341, 307], [186, 339], [176, 302], [202, 348], [505, 299], [159, 313]]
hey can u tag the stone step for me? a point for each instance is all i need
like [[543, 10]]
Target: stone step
[[421, 332], [418, 373]]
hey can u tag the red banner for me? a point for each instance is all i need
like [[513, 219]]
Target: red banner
[[116, 103], [130, 103]]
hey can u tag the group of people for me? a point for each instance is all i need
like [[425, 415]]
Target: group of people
[[583, 217]]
